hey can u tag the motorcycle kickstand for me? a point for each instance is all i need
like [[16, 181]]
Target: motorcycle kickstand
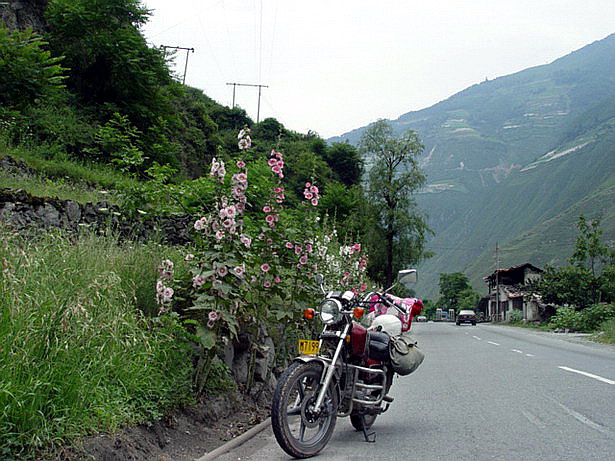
[[367, 435]]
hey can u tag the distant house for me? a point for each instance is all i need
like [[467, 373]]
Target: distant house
[[508, 292]]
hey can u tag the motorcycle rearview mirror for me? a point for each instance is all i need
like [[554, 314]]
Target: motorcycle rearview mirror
[[407, 276], [320, 280]]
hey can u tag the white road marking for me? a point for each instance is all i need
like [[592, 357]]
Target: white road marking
[[517, 351], [585, 420], [530, 355], [533, 418], [491, 342], [589, 375], [476, 337]]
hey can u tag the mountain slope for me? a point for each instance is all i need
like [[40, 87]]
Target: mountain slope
[[515, 160]]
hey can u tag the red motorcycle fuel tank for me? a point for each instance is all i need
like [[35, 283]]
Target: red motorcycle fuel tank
[[358, 336]]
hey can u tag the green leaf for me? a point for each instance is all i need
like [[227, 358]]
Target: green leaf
[[208, 337]]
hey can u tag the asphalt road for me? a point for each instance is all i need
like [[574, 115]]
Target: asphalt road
[[485, 393]]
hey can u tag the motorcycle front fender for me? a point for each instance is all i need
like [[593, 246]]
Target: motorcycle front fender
[[325, 363]]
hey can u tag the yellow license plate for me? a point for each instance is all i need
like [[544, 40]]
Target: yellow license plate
[[308, 347]]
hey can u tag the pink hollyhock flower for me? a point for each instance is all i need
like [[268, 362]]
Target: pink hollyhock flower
[[289, 245], [265, 267], [241, 164], [211, 323], [303, 260], [309, 248], [247, 241], [314, 201], [239, 270], [213, 316], [269, 218], [220, 235], [167, 294], [314, 189], [198, 280], [272, 162], [231, 211], [307, 184], [346, 274], [276, 169], [244, 143], [298, 250], [189, 257], [222, 271], [199, 224], [308, 195], [277, 279], [266, 209], [267, 284], [159, 287], [363, 287]]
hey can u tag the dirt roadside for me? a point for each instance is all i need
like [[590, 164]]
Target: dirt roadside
[[182, 436]]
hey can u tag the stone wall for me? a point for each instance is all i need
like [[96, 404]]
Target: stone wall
[[20, 210], [23, 14]]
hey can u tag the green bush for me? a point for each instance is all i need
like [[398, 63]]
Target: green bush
[[27, 70], [591, 317], [565, 317], [76, 355], [587, 319]]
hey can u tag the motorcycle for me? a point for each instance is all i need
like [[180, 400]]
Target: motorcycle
[[345, 372]]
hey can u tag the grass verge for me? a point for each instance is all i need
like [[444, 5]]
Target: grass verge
[[77, 354]]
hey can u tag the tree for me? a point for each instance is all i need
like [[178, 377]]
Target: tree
[[399, 228], [110, 62], [346, 163], [453, 287], [27, 70], [590, 276]]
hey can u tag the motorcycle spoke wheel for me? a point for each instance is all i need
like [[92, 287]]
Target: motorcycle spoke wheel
[[299, 430]]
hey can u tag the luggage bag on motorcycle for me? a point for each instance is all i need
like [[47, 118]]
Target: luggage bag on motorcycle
[[378, 346], [405, 354]]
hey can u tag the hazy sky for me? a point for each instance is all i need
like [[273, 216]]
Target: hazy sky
[[335, 65]]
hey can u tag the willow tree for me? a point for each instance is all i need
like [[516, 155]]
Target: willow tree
[[397, 235]]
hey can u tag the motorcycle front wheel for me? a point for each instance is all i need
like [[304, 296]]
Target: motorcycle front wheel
[[300, 431]]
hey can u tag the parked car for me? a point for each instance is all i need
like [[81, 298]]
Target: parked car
[[421, 318], [466, 317]]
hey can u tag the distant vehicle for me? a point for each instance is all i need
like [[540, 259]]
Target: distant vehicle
[[441, 316], [466, 317], [421, 318]]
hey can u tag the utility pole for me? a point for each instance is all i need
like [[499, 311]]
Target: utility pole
[[258, 109], [188, 50], [497, 279]]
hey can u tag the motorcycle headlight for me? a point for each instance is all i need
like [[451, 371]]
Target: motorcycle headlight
[[330, 311]]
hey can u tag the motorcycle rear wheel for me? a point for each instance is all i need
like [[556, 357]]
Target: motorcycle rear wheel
[[300, 432]]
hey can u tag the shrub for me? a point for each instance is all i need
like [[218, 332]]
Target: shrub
[[515, 316], [591, 317], [27, 70], [565, 317], [587, 319]]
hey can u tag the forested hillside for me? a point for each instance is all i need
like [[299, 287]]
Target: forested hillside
[[514, 160]]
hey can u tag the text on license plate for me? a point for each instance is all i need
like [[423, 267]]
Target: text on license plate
[[308, 347]]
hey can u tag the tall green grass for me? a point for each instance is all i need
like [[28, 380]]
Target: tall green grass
[[607, 329], [76, 354]]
